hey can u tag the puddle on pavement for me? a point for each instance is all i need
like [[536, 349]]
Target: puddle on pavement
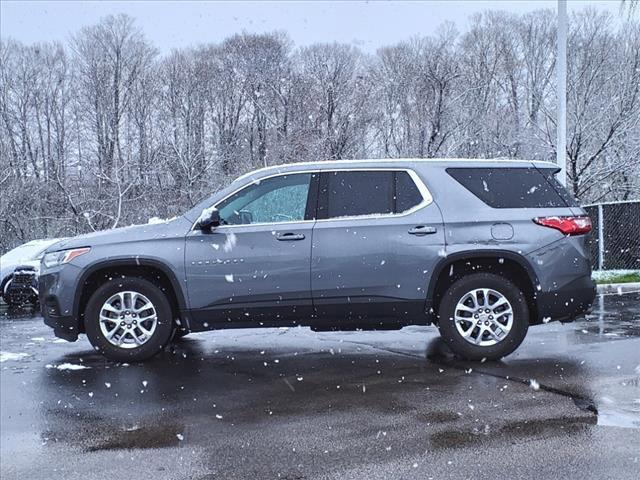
[[617, 417], [608, 332], [511, 431], [612, 412], [609, 411], [613, 316], [99, 433], [148, 436], [96, 432]]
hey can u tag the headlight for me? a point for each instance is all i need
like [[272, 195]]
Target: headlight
[[64, 256]]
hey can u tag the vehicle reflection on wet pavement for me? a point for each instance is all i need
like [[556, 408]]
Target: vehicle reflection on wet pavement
[[291, 403]]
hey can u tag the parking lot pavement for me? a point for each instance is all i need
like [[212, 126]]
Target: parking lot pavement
[[293, 404]]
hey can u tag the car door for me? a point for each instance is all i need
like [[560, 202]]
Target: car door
[[377, 239], [255, 267]]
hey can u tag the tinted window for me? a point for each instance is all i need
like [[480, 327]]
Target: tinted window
[[274, 200], [357, 193], [350, 194], [559, 188], [514, 187], [407, 193]]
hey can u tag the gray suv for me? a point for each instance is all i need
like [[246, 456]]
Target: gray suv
[[481, 248]]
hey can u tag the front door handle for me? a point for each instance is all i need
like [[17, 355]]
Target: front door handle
[[289, 236], [423, 230]]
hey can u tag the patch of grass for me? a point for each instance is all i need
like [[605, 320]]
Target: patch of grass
[[626, 277]]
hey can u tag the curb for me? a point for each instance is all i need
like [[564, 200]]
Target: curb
[[618, 287]]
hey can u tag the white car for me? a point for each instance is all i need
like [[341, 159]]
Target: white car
[[26, 255]]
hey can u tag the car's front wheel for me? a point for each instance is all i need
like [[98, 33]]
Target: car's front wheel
[[128, 319], [483, 316]]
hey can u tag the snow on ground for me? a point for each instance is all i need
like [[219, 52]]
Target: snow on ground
[[68, 366], [5, 356]]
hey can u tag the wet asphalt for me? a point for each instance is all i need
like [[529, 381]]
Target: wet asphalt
[[294, 404]]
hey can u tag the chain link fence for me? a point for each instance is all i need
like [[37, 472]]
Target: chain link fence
[[614, 242]]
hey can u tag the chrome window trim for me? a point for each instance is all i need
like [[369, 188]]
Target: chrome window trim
[[427, 198], [320, 164]]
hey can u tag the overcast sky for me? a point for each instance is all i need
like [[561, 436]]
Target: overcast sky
[[170, 24]]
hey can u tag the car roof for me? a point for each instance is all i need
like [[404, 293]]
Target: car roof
[[399, 163]]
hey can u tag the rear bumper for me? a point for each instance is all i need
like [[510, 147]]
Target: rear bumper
[[568, 302]]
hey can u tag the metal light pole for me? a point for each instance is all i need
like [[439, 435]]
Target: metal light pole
[[561, 85]]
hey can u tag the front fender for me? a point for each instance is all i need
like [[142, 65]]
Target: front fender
[[129, 262]]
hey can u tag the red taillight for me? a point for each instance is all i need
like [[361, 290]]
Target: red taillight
[[567, 225]]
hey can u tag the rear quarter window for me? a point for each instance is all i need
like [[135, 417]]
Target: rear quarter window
[[514, 187], [407, 194]]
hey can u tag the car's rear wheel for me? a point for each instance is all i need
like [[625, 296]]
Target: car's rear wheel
[[483, 316], [128, 319]]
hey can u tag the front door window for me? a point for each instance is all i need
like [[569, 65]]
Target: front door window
[[273, 200]]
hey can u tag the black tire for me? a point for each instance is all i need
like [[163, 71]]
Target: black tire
[[156, 342], [454, 339]]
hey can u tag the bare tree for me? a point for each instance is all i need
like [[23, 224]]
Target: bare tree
[[105, 132], [111, 57], [604, 102], [335, 95]]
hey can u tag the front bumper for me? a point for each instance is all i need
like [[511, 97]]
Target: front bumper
[[567, 302], [65, 327], [56, 304]]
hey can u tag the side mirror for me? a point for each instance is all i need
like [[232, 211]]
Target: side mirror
[[209, 219]]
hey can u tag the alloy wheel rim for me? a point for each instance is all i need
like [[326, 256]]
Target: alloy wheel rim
[[483, 317], [128, 319]]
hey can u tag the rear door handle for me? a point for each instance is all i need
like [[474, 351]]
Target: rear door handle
[[289, 236], [423, 230]]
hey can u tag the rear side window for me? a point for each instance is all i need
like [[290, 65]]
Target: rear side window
[[514, 187], [351, 194], [359, 193]]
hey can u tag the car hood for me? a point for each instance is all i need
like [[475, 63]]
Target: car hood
[[177, 227]]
